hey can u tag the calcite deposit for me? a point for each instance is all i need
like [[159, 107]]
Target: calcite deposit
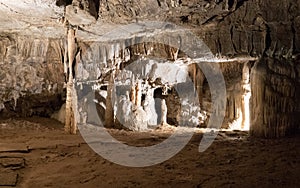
[[32, 76], [255, 42], [275, 98]]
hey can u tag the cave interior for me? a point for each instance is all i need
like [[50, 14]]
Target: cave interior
[[144, 70]]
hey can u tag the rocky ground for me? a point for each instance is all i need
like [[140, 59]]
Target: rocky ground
[[36, 152]]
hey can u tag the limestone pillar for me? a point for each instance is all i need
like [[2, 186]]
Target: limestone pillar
[[132, 94], [164, 111], [109, 112], [246, 96], [71, 101]]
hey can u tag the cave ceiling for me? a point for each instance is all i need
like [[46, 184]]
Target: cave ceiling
[[45, 18], [227, 26]]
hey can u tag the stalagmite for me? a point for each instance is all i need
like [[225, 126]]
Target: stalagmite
[[109, 112], [71, 100], [132, 93], [246, 97], [138, 94], [164, 111]]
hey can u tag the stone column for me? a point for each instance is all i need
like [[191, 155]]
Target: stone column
[[71, 101], [246, 96], [164, 112], [109, 112], [132, 94]]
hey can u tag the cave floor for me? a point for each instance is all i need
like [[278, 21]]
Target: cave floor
[[36, 152]]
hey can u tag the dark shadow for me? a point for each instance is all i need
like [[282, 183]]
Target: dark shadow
[[231, 3], [240, 3], [63, 2], [97, 6], [158, 97]]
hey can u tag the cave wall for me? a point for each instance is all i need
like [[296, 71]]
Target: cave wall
[[32, 71], [275, 106], [31, 75], [256, 27]]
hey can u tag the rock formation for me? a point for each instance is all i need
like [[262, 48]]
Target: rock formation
[[71, 98], [32, 77], [32, 54], [275, 98]]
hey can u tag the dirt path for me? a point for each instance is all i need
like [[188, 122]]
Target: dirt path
[[37, 153]]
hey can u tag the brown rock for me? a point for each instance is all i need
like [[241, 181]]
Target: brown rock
[[275, 99], [8, 178], [12, 163], [81, 12]]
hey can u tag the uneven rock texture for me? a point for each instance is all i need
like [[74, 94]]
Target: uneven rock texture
[[236, 75], [275, 105], [32, 66], [233, 27], [81, 12], [31, 75], [8, 178], [256, 27], [31, 17], [229, 27]]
